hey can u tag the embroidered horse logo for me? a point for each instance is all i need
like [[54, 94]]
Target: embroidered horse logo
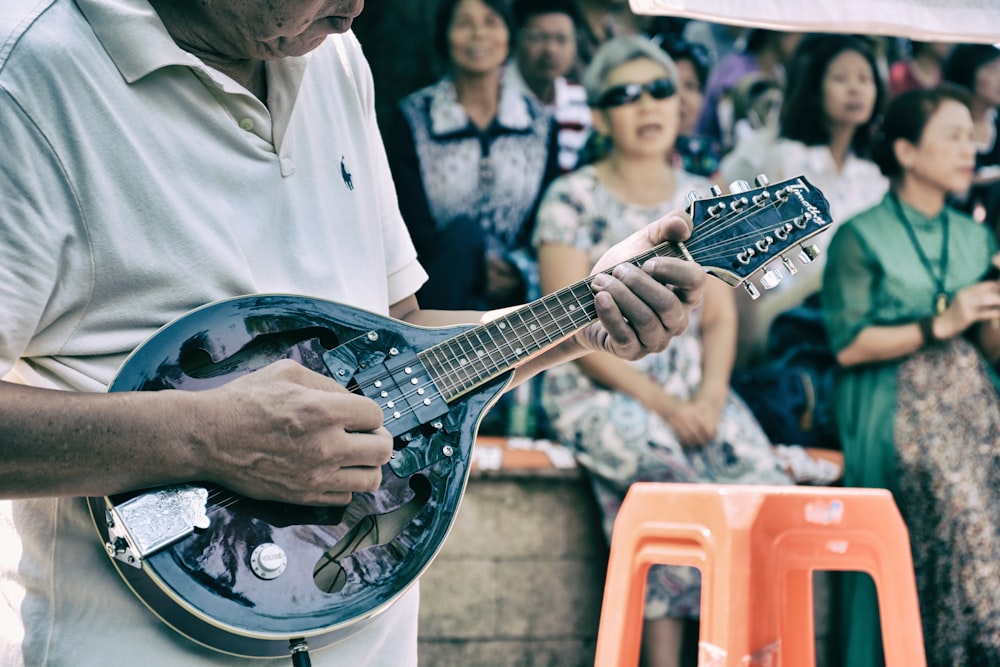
[[346, 175]]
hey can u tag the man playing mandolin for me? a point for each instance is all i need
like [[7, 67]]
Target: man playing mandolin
[[159, 155]]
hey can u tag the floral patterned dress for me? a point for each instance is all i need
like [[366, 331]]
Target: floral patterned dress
[[615, 438]]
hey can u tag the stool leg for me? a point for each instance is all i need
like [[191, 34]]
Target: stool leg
[[619, 635], [798, 630]]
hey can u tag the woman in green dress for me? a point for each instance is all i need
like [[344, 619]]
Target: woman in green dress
[[915, 323]]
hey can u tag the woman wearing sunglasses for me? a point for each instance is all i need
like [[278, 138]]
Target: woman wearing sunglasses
[[672, 417]]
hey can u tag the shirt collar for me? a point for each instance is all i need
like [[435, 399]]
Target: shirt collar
[[138, 43], [123, 25], [448, 116]]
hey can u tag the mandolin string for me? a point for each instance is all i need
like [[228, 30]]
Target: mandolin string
[[230, 498], [521, 331], [704, 257], [559, 320]]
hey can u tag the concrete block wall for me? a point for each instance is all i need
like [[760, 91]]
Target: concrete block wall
[[520, 579]]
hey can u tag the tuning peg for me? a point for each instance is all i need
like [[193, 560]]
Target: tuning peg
[[809, 253], [739, 186], [761, 181], [716, 191], [716, 209], [789, 265], [692, 197], [771, 278], [752, 291], [761, 198]]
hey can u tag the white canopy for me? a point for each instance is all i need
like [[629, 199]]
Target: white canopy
[[926, 20]]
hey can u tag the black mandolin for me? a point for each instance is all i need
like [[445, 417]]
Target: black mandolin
[[261, 579]]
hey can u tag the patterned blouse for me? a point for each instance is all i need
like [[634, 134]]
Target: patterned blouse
[[447, 168]]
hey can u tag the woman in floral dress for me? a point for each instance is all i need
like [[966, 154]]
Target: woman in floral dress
[[670, 417]]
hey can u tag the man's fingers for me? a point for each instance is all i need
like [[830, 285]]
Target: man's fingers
[[639, 307], [674, 226], [365, 450], [355, 413]]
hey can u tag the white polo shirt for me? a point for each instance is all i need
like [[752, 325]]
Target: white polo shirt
[[136, 183]]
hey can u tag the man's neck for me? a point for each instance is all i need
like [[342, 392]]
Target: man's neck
[[191, 29], [542, 88]]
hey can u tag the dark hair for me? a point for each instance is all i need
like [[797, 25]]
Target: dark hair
[[446, 12], [906, 118], [524, 10], [965, 60], [759, 38], [692, 52], [802, 116]]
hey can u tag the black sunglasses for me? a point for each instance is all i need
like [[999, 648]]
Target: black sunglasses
[[629, 93]]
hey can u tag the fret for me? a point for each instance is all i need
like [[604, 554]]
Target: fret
[[496, 347], [530, 328], [445, 369], [487, 347], [512, 340]]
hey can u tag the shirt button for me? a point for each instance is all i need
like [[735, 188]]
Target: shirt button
[[246, 124]]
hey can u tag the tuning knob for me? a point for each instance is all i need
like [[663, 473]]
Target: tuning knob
[[809, 253], [770, 279], [761, 180], [789, 265], [752, 290], [717, 209], [739, 186], [692, 197]]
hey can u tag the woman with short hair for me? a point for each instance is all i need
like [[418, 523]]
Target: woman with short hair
[[671, 417]]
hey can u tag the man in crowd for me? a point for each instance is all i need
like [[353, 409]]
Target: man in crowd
[[546, 51]]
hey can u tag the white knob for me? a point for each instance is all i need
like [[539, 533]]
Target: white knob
[[268, 561]]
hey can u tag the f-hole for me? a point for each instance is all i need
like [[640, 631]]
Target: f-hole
[[196, 360], [371, 531]]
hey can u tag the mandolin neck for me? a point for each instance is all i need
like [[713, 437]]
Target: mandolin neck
[[489, 350]]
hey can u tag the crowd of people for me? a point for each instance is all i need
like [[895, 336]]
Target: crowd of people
[[180, 156], [900, 136]]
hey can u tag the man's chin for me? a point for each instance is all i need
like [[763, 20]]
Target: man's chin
[[316, 36]]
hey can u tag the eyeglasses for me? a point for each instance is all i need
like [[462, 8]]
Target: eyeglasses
[[629, 93]]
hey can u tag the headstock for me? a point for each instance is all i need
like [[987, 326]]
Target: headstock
[[751, 230]]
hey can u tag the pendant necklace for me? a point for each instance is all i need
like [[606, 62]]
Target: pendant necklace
[[941, 297]]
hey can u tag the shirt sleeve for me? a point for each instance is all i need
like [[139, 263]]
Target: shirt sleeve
[[39, 220], [849, 281], [404, 273]]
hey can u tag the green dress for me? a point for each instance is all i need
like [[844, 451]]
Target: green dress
[[875, 276]]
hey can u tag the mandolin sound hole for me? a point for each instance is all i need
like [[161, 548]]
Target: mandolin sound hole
[[200, 358], [373, 530]]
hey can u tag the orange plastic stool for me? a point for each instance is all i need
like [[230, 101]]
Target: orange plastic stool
[[757, 547]]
